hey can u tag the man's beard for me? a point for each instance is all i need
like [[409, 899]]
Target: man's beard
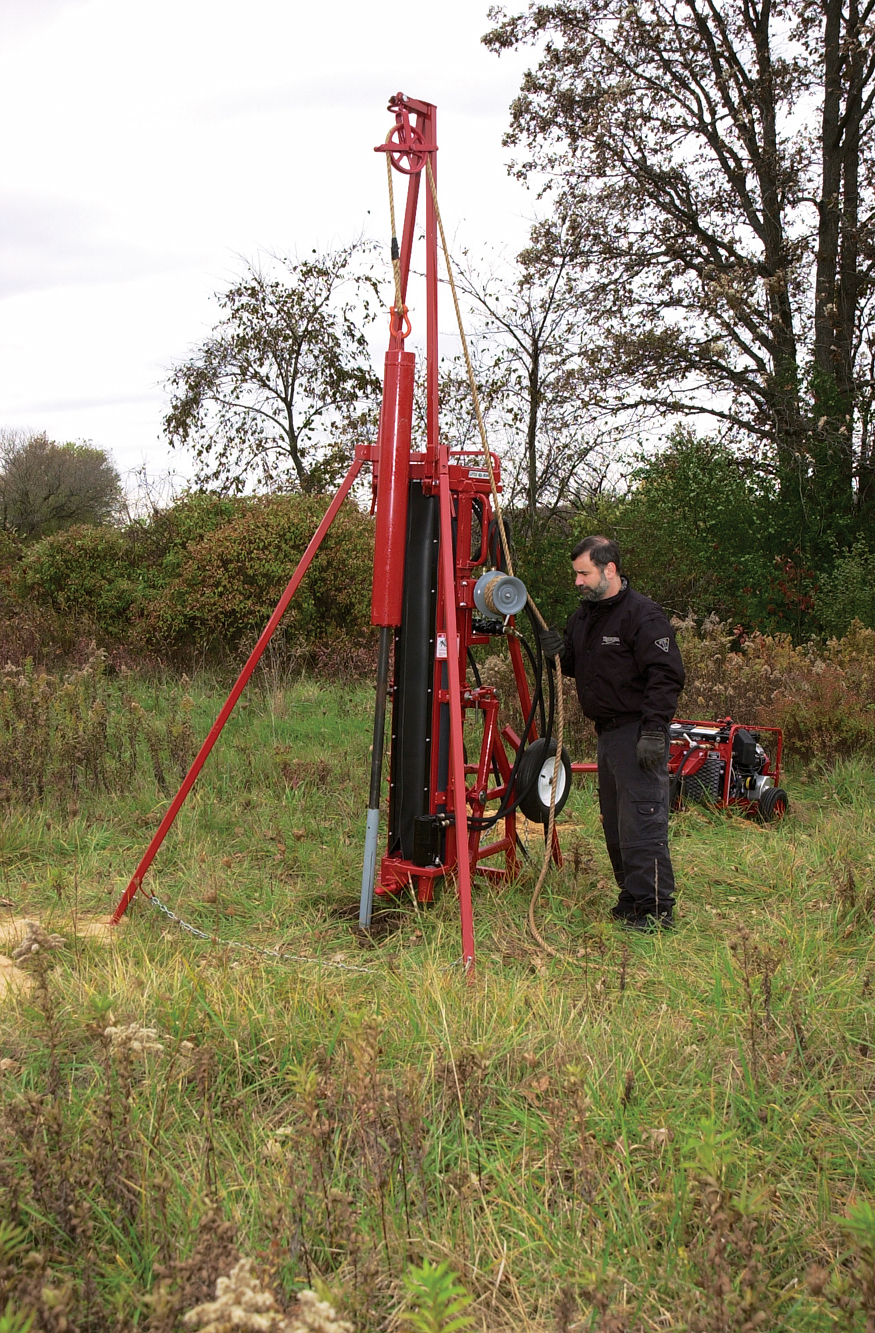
[[595, 594]]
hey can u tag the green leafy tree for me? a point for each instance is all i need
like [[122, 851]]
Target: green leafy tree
[[715, 161], [231, 578], [109, 576], [847, 592], [207, 573], [283, 387], [697, 530], [89, 575], [45, 486]]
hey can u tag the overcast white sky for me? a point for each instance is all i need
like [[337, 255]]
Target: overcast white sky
[[146, 147]]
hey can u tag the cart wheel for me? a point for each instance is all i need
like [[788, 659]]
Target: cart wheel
[[772, 804], [539, 760]]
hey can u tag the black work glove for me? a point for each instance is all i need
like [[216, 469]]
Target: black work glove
[[651, 750], [552, 643]]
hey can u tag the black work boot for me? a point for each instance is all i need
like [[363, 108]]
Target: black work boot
[[648, 923], [624, 908]]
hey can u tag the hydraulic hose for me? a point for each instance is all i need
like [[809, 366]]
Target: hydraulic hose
[[488, 822], [539, 669], [507, 807]]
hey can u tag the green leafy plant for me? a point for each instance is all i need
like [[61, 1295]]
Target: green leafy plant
[[438, 1300], [15, 1321], [232, 578], [850, 1289], [847, 592], [859, 1228]]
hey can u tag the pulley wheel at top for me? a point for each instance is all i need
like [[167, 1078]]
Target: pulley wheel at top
[[410, 150]]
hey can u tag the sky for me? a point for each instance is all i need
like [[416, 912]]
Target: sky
[[149, 149]]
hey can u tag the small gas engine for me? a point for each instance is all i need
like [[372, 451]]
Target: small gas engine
[[725, 764]]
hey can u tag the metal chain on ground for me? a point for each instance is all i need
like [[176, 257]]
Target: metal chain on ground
[[505, 545], [278, 954], [253, 948]]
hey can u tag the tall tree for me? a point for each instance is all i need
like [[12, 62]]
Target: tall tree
[[532, 338], [283, 387], [716, 159], [46, 486]]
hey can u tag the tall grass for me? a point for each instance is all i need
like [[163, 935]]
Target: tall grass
[[644, 1133]]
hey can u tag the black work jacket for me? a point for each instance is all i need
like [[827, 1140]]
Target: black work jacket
[[624, 657]]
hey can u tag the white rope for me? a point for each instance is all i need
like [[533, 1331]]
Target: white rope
[[505, 545]]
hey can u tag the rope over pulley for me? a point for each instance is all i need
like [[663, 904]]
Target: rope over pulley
[[499, 594], [399, 321]]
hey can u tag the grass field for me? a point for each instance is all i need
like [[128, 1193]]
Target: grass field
[[670, 1132]]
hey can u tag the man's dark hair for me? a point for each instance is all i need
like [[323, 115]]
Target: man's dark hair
[[601, 551]]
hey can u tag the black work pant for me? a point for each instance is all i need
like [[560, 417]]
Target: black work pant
[[634, 808]]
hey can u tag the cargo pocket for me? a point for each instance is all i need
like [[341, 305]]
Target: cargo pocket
[[652, 823]]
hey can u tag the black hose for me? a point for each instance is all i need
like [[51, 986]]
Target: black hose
[[540, 667], [537, 666], [504, 810], [675, 786]]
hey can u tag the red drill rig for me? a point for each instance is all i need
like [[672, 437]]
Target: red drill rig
[[440, 588]]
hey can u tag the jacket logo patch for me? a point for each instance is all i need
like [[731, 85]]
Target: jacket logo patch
[[609, 638], [664, 644]]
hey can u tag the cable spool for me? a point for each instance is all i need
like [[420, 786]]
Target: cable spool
[[499, 594]]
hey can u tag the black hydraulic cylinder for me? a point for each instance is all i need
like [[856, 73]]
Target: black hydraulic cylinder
[[410, 793]]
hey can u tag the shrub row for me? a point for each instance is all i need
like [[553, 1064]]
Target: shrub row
[[202, 577], [703, 531], [697, 533]]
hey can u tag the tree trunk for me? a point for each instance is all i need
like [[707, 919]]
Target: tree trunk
[[830, 194], [837, 281], [532, 438]]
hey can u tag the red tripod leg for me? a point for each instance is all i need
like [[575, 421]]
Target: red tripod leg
[[216, 729]]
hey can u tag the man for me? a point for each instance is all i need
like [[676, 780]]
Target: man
[[621, 650]]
